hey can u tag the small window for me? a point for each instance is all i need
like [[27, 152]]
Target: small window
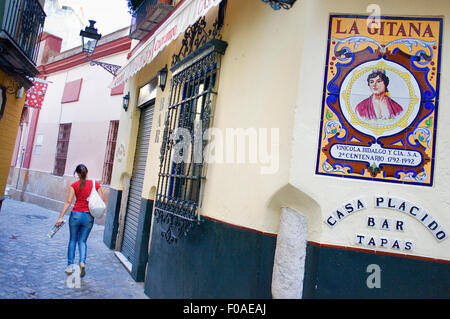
[[110, 150], [61, 149]]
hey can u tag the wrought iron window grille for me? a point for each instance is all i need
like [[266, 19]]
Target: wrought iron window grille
[[193, 90], [280, 4], [195, 37]]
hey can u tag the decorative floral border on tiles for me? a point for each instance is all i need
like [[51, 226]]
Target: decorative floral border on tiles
[[380, 99]]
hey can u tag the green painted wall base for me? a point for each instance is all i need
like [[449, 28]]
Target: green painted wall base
[[215, 260], [344, 273]]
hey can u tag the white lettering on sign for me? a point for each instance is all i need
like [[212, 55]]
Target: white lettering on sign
[[344, 211], [400, 205], [415, 211], [381, 223], [383, 242], [376, 154], [384, 223]]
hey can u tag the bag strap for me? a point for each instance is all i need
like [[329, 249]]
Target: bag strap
[[93, 187]]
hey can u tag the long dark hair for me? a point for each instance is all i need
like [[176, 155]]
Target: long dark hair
[[82, 171]]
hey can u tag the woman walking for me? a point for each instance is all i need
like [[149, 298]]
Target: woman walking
[[80, 221]]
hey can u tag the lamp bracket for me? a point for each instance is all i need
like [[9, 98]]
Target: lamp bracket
[[111, 68]]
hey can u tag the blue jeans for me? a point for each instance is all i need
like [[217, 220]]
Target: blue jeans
[[80, 224]]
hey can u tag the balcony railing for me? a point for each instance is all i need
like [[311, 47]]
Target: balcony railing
[[23, 21], [147, 16]]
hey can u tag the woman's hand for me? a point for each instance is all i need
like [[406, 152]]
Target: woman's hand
[[58, 222]]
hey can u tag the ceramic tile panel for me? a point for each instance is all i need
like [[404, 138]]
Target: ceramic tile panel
[[379, 110]]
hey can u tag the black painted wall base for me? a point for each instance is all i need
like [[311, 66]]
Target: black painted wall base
[[112, 218], [344, 273], [215, 260], [139, 261], [143, 236]]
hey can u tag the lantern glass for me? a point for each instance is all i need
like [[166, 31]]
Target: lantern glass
[[162, 74], [89, 38], [89, 45]]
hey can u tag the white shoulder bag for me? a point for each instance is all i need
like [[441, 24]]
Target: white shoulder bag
[[96, 205]]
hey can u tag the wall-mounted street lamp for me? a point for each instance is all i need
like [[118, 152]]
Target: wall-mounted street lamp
[[126, 100], [280, 4], [89, 40], [162, 78]]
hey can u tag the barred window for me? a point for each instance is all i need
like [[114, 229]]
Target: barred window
[[110, 150], [178, 194], [61, 149]]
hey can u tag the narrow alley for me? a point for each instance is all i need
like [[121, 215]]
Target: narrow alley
[[32, 265]]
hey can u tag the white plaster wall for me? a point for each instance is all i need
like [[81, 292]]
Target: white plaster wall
[[48, 123], [90, 117]]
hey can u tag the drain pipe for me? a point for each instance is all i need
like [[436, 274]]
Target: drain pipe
[[20, 168]]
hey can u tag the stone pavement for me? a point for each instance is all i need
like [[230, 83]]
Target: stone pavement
[[32, 265]]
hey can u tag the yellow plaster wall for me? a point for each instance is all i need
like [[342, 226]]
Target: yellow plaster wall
[[9, 124], [161, 105], [257, 89], [271, 76], [129, 123], [126, 138]]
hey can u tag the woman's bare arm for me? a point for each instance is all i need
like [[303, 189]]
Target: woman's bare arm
[[67, 204]]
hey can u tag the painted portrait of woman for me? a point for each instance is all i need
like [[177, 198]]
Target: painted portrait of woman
[[378, 106]]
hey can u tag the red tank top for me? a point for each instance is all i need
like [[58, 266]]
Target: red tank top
[[81, 203]]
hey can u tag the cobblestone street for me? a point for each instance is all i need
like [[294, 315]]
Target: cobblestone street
[[32, 265]]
